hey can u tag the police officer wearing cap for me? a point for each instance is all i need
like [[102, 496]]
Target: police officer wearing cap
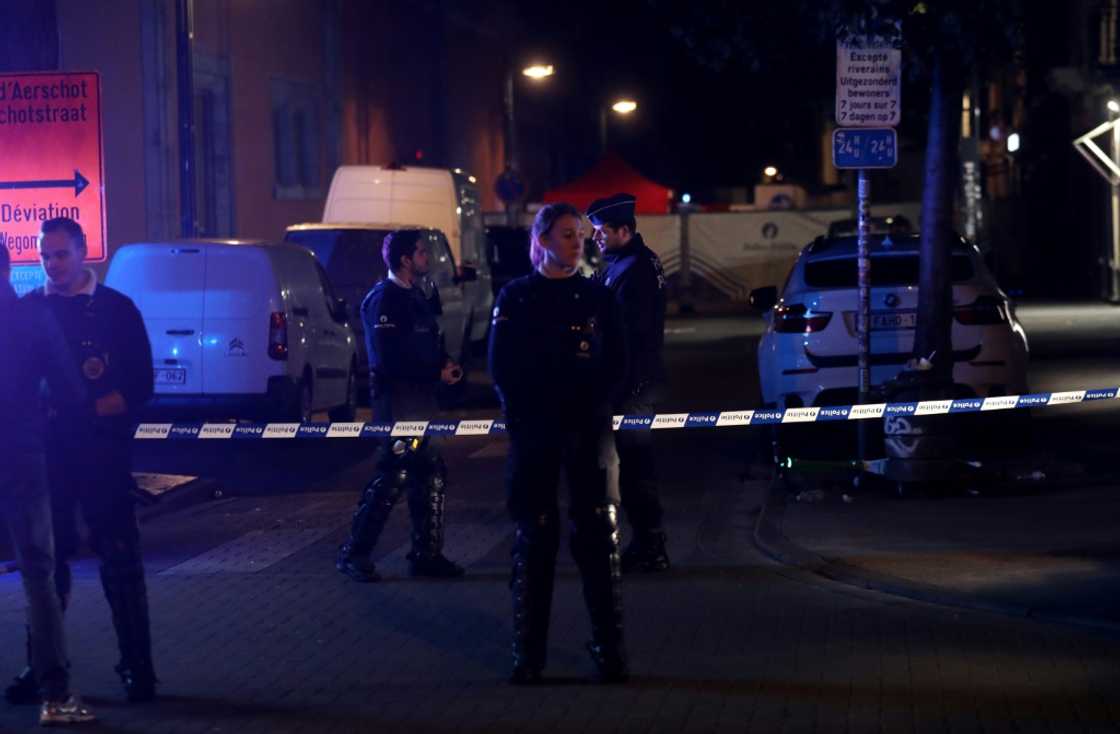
[[407, 364], [558, 358], [633, 273], [89, 458]]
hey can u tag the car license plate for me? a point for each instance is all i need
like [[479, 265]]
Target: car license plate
[[894, 320], [170, 376]]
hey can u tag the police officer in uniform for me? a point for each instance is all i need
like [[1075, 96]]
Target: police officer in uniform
[[89, 458], [633, 273], [407, 365], [558, 358]]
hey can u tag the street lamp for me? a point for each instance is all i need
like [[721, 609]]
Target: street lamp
[[537, 73], [770, 172], [623, 107]]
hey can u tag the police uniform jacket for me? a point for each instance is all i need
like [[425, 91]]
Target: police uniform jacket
[[109, 344], [557, 349], [402, 337], [32, 349], [633, 273]]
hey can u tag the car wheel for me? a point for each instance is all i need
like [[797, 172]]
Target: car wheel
[[346, 412]]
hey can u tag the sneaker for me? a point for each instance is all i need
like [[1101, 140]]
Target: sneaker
[[361, 570], [24, 689], [437, 567], [62, 713]]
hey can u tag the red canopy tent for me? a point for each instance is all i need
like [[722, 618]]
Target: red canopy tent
[[612, 175]]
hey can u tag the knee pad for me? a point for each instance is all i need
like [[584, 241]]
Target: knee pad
[[385, 488]]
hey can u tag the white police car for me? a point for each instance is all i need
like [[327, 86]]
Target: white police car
[[808, 355]]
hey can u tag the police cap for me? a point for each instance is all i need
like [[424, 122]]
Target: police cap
[[613, 211]]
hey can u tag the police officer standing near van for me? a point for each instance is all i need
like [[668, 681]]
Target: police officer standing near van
[[89, 459], [633, 273], [407, 365]]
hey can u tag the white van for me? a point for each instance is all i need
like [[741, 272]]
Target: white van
[[240, 329], [351, 255], [442, 199]]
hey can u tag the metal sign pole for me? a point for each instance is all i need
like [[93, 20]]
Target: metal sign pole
[[863, 316]]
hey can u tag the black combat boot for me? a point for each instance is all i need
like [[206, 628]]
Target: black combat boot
[[123, 581], [595, 547], [425, 506], [532, 580], [374, 508]]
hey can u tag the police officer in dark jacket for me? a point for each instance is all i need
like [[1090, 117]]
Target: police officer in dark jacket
[[558, 359], [407, 365], [633, 273], [89, 458], [33, 350]]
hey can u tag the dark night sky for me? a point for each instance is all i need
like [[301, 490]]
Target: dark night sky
[[699, 125]]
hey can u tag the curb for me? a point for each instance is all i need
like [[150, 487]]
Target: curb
[[769, 538]]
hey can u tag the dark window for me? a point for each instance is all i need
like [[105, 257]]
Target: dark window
[[886, 271], [297, 149], [351, 257]]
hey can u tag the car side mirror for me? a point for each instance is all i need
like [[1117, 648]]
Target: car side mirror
[[763, 299], [466, 274]]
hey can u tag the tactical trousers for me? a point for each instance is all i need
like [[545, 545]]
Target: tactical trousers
[[405, 465], [641, 498], [585, 452]]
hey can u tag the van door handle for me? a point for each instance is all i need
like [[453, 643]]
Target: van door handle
[[180, 332]]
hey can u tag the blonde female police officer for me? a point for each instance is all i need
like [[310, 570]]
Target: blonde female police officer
[[558, 359]]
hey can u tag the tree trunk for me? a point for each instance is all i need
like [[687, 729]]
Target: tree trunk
[[932, 339]]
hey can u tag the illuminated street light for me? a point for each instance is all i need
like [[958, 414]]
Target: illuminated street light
[[538, 71], [770, 172], [624, 107], [1012, 142], [1113, 106]]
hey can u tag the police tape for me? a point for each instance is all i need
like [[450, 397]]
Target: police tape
[[660, 421]]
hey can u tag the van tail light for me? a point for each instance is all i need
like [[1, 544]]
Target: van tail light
[[278, 335], [985, 310], [796, 319]]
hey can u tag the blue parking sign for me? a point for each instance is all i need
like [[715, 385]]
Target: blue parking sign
[[864, 147]]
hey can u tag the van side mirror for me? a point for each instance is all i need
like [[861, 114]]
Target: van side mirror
[[466, 274], [763, 299]]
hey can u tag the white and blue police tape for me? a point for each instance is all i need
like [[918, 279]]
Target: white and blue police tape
[[722, 419]]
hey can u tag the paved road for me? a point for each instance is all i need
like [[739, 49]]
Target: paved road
[[255, 631]]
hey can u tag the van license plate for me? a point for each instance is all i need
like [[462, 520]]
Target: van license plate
[[894, 321], [170, 376]]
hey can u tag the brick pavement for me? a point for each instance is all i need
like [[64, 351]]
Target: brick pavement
[[727, 642]]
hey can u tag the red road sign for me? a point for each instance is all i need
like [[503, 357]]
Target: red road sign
[[50, 145]]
